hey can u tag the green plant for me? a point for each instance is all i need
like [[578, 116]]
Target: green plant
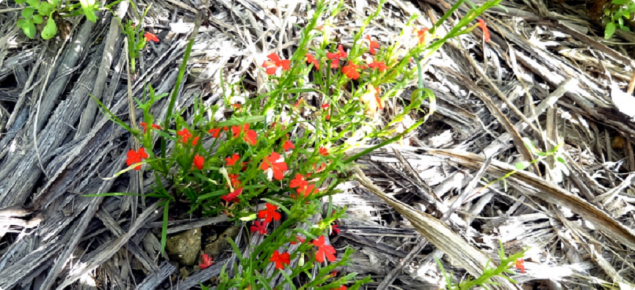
[[135, 34], [282, 148], [615, 16], [503, 267], [37, 12]]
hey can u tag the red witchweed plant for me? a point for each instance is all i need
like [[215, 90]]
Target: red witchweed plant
[[274, 151]]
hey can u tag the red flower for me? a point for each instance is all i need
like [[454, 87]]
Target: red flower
[[298, 181], [340, 288], [195, 141], [273, 65], [520, 264], [259, 227], [320, 168], [328, 117], [232, 196], [198, 161], [311, 59], [144, 125], [234, 180], [421, 34], [280, 259], [251, 137], [306, 191], [269, 213], [323, 151], [381, 66], [298, 103], [136, 157], [278, 167], [350, 70], [483, 26], [184, 134], [231, 161], [371, 100], [237, 129], [215, 132], [206, 262], [149, 36], [336, 56], [335, 229], [325, 106], [287, 145], [374, 45], [324, 250], [237, 105], [155, 126], [297, 238]]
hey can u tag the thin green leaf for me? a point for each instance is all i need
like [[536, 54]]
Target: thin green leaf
[[609, 30], [164, 228]]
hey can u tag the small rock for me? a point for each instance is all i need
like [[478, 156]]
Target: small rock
[[221, 244], [184, 247]]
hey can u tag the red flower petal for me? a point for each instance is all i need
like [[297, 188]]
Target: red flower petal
[[214, 132], [381, 66], [232, 160], [232, 196], [311, 59], [149, 36], [274, 57], [483, 26], [259, 227], [324, 250], [278, 167], [374, 45], [520, 264], [350, 70], [198, 161], [206, 262], [251, 137], [287, 145]]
